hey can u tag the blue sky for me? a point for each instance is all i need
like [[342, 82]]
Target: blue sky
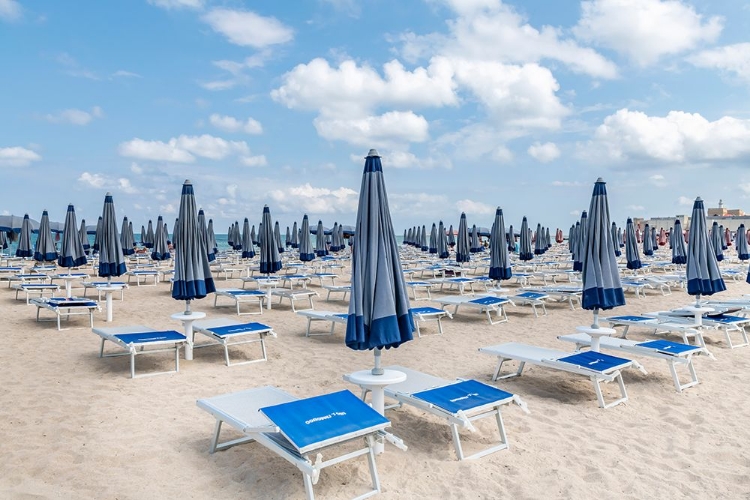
[[473, 104]]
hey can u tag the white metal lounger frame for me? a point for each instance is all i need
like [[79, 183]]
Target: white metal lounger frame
[[424, 285], [431, 316], [145, 274], [658, 327], [98, 285], [313, 315], [707, 322], [269, 436], [295, 295], [343, 289], [631, 347], [36, 288], [499, 308], [225, 341], [242, 299], [529, 301], [596, 377], [133, 350], [42, 303]]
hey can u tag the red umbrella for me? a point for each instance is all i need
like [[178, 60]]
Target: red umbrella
[[559, 236], [662, 237], [728, 237]]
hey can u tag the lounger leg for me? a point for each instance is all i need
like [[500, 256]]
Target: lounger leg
[[457, 441], [101, 350], [371, 463], [262, 347], [226, 352], [440, 325], [416, 325], [132, 364], [308, 486], [309, 320]]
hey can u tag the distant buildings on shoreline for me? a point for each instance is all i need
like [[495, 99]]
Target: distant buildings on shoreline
[[729, 218]]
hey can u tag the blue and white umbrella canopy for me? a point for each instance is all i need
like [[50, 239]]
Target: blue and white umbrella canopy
[[44, 248], [320, 241], [723, 240], [379, 314], [71, 251], [246, 242], [581, 232], [270, 262], [716, 241], [238, 243], [111, 257], [511, 239], [150, 236], [632, 256], [253, 236], [703, 275], [654, 243], [423, 240], [288, 237], [539, 244], [463, 245], [679, 254], [335, 238], [442, 242], [433, 239], [192, 272], [499, 263], [212, 246], [277, 237], [126, 241], [98, 236], [160, 250], [615, 239], [740, 243], [144, 239], [451, 237], [547, 239], [295, 236], [306, 253], [24, 239], [601, 278], [342, 246], [209, 239], [524, 249], [648, 247], [620, 238], [572, 239], [230, 235], [475, 246], [83, 235]]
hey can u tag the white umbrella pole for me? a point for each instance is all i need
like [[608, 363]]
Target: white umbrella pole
[[377, 370]]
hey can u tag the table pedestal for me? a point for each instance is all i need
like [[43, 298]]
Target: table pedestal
[[596, 334], [108, 290], [187, 323], [376, 385], [698, 312]]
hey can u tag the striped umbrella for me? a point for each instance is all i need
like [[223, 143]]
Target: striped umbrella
[[44, 248], [111, 255], [740, 243], [511, 239], [209, 239], [288, 237], [547, 239], [423, 240], [463, 253], [83, 235], [632, 256], [98, 236], [648, 247], [126, 242], [616, 240], [192, 272], [716, 241], [600, 275], [433, 239], [150, 236], [539, 245], [71, 251], [253, 236], [726, 241], [524, 249], [451, 237], [703, 275], [270, 262], [379, 314], [131, 238], [335, 238], [654, 243], [406, 237], [678, 244], [581, 242], [277, 237], [160, 249], [212, 246], [24, 239], [499, 263], [442, 242], [246, 241], [320, 241], [295, 235], [144, 238], [230, 236], [306, 253], [571, 238]]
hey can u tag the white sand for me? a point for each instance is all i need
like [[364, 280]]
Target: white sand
[[73, 425]]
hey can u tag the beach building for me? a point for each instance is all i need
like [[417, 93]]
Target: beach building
[[730, 218]]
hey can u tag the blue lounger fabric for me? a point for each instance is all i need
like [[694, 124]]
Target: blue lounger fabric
[[667, 347], [595, 361], [223, 331], [426, 310], [488, 301], [630, 318], [144, 337], [462, 396]]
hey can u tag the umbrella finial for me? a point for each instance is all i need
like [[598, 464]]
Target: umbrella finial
[[373, 152]]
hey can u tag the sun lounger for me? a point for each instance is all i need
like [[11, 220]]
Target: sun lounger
[[342, 289], [597, 366], [637, 287], [659, 326], [725, 322], [262, 281], [460, 402], [529, 298], [295, 295], [291, 280], [35, 289], [458, 283], [561, 293], [228, 332], [142, 275], [240, 297], [97, 285], [313, 315], [325, 277], [423, 314], [28, 278], [484, 304], [673, 353], [138, 340], [299, 430], [419, 285], [64, 307]]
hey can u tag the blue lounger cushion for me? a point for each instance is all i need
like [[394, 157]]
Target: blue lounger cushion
[[726, 319], [145, 337], [462, 396], [245, 292], [426, 310], [488, 301], [595, 361], [630, 318], [531, 295], [62, 302], [224, 331], [667, 347], [310, 421]]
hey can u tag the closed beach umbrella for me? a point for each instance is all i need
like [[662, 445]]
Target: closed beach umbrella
[[270, 262], [209, 239], [581, 233], [306, 253], [423, 240], [144, 238], [288, 237], [335, 238], [246, 241], [616, 240], [111, 256], [406, 237], [71, 251], [547, 239], [539, 245], [131, 238], [150, 236], [620, 238], [98, 236], [601, 278], [212, 246], [499, 263], [24, 239], [716, 243], [474, 246], [632, 256], [379, 314], [741, 243], [524, 249], [126, 243], [463, 248], [433, 239], [703, 276], [230, 235], [442, 242], [341, 237], [451, 237], [662, 237], [417, 237], [648, 247], [192, 272], [679, 254], [160, 250], [654, 244], [511, 239], [253, 236], [572, 239], [44, 249], [277, 237], [295, 235], [727, 239], [83, 235], [320, 241]]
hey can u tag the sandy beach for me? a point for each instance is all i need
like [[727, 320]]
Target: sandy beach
[[76, 426]]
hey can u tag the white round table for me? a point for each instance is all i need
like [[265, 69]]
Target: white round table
[[698, 312], [187, 323], [108, 290], [596, 334]]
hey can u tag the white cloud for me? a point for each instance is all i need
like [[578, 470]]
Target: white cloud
[[678, 137], [406, 159], [685, 201], [658, 180], [248, 29], [732, 59], [544, 153], [17, 156], [575, 213], [121, 73], [177, 4], [306, 198], [135, 168], [101, 181], [567, 183], [125, 185], [645, 30], [231, 124], [393, 127], [636, 208], [474, 207], [254, 161], [92, 180], [75, 116], [169, 208], [10, 10], [183, 149]]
